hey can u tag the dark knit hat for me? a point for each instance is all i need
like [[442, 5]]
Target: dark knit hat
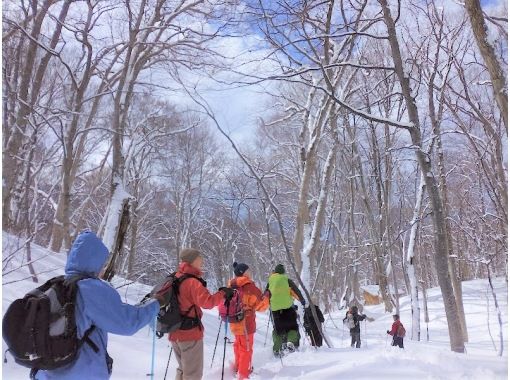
[[279, 269], [188, 255], [240, 268]]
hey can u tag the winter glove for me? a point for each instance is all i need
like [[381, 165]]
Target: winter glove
[[388, 332], [228, 292]]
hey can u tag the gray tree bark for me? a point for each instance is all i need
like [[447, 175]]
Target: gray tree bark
[[496, 72]]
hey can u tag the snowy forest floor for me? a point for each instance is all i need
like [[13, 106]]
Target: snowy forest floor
[[376, 359]]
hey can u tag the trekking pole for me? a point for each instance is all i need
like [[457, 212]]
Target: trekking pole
[[365, 332], [300, 329], [267, 328], [227, 302], [274, 332], [168, 362], [343, 333], [151, 374], [332, 321], [311, 338], [216, 344]]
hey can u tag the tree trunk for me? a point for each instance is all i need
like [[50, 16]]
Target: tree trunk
[[440, 242], [26, 209], [134, 237], [500, 319], [310, 250], [497, 74], [382, 279], [15, 140], [310, 158], [415, 304], [28, 98], [118, 212], [395, 285], [61, 221]]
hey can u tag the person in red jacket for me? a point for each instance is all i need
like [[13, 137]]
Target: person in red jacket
[[244, 330], [188, 341], [397, 331]]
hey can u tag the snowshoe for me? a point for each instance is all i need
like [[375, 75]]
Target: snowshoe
[[278, 354], [290, 347]]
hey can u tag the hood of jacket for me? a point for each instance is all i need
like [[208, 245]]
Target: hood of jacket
[[187, 268], [87, 256], [239, 281]]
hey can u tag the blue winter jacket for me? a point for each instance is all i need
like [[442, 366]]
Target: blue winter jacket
[[98, 304]]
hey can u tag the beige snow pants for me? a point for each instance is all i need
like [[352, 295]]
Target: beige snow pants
[[190, 357]]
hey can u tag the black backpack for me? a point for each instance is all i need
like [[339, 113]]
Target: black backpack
[[171, 317], [40, 328]]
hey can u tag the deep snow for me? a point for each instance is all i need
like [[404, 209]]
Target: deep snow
[[375, 360]]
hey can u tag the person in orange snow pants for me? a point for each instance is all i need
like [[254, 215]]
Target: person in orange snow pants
[[244, 330]]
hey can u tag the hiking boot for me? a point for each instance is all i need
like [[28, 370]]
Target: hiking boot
[[290, 347], [246, 377]]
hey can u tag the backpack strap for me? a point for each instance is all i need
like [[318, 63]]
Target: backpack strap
[[86, 339], [191, 321], [185, 276], [73, 282]]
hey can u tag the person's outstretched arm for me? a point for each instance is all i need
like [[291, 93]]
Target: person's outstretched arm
[[104, 307]]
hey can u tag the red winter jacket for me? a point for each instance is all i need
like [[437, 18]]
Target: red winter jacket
[[394, 327], [192, 292]]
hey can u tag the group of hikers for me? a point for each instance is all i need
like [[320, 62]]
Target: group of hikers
[[352, 321], [99, 310]]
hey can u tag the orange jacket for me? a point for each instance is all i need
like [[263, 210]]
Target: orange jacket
[[193, 293], [252, 301]]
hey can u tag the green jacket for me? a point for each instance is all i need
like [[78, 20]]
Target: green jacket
[[281, 289]]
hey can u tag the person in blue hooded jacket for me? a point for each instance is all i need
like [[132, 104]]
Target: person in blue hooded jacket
[[98, 304]]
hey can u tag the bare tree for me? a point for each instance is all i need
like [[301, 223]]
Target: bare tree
[[496, 72]]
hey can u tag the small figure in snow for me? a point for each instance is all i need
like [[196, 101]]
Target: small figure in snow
[[397, 331], [311, 327], [352, 320]]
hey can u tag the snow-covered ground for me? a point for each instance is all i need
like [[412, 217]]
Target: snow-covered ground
[[375, 360]]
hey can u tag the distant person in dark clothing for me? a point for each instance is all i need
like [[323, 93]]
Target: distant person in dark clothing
[[311, 327], [397, 331], [352, 320]]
